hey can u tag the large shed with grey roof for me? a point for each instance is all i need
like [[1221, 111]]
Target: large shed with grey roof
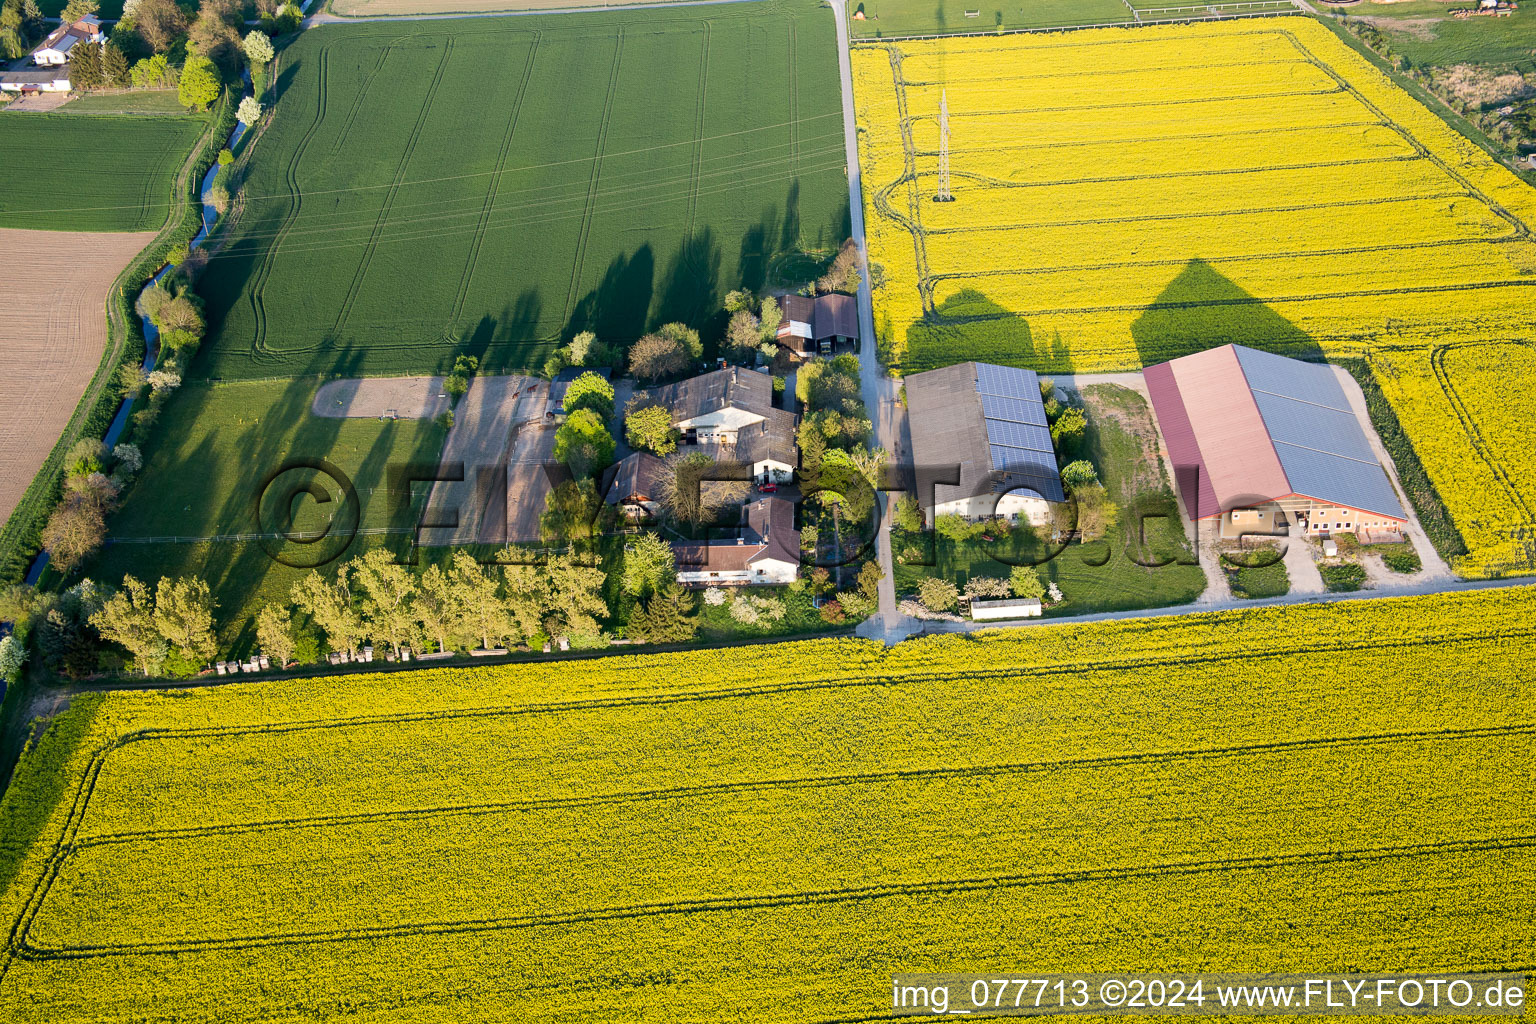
[[1254, 436], [981, 444]]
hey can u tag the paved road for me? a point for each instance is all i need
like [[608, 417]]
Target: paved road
[[878, 391], [324, 18], [1409, 590]]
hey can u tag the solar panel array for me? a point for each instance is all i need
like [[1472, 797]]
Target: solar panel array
[[1017, 432], [1321, 446]]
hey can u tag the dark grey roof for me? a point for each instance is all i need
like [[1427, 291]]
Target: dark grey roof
[[771, 521], [1317, 437], [773, 438], [837, 316], [990, 421], [636, 475], [767, 531], [733, 386]]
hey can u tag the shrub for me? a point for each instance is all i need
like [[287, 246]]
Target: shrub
[[1024, 582], [987, 587], [938, 595], [832, 613], [1401, 559], [1343, 578]]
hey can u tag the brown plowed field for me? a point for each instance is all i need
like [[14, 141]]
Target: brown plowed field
[[53, 327]]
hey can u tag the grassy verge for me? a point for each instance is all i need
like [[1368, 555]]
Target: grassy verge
[[20, 539], [1421, 492]]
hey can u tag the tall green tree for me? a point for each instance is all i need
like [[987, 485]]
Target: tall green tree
[[274, 632], [483, 612], [387, 595], [199, 85], [590, 391], [651, 429], [128, 618], [184, 617], [438, 608], [583, 443], [649, 564], [330, 604]]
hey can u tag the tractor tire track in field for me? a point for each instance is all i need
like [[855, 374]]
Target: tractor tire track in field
[[85, 789], [1361, 293], [264, 271], [913, 220], [1102, 73], [344, 132], [391, 193], [1137, 140], [1213, 259], [1157, 661], [1143, 218], [1142, 104], [1405, 158], [478, 238], [805, 783], [696, 166], [1520, 226], [589, 212], [1469, 425], [794, 898]]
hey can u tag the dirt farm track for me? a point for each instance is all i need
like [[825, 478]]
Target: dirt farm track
[[53, 327]]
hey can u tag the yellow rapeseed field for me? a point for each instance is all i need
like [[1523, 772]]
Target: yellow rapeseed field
[[1128, 195], [768, 834]]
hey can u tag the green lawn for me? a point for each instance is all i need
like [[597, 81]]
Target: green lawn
[[206, 461], [140, 101], [494, 185], [96, 173], [1110, 574], [1422, 31], [926, 17]]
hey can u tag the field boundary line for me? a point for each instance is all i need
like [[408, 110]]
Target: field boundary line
[[592, 190], [394, 190], [478, 239], [802, 897], [808, 782]]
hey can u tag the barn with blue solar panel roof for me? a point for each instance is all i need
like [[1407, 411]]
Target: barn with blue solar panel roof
[[981, 443]]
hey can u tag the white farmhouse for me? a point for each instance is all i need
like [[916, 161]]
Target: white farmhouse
[[730, 415], [54, 52], [766, 552]]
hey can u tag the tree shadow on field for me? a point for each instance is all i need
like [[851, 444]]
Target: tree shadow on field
[[690, 288], [510, 343], [617, 308], [969, 325], [1202, 308]]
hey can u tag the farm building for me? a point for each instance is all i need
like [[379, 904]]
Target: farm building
[[981, 444], [27, 82], [823, 326], [729, 414], [767, 550], [1257, 440], [54, 51], [633, 484]]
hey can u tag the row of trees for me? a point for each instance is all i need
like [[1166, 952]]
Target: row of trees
[[464, 606]]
